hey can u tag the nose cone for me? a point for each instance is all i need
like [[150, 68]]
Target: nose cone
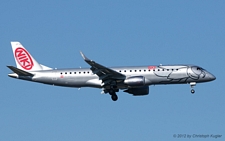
[[210, 77]]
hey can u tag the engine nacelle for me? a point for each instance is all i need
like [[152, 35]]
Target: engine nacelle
[[138, 91], [135, 81]]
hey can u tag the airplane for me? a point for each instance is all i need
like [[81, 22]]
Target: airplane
[[133, 80]]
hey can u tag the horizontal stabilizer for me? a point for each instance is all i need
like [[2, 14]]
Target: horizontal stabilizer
[[19, 71]]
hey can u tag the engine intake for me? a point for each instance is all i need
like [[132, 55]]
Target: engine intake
[[135, 81]]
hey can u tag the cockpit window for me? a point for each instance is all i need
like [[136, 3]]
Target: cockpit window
[[198, 68]]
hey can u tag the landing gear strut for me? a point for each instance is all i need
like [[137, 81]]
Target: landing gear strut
[[192, 84]]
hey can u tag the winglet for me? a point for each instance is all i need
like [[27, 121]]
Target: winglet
[[85, 58]]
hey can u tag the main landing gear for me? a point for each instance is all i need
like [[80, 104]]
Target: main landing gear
[[113, 95], [192, 84]]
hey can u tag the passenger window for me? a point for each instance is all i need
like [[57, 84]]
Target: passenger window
[[61, 73], [140, 70], [158, 69], [144, 70], [84, 72], [79, 72], [74, 72], [167, 69], [124, 70], [135, 70], [70, 72], [130, 70], [65, 72]]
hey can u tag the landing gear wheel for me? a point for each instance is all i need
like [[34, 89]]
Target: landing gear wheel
[[114, 97], [192, 84]]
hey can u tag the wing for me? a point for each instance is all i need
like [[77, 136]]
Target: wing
[[105, 74]]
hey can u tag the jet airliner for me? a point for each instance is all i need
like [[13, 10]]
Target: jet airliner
[[133, 80]]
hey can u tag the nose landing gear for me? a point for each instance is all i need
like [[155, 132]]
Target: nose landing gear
[[192, 84]]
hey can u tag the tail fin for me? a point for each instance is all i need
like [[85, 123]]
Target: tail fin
[[23, 58]]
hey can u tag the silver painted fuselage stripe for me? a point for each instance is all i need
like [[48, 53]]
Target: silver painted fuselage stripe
[[176, 74]]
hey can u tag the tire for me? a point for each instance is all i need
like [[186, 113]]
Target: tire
[[114, 97]]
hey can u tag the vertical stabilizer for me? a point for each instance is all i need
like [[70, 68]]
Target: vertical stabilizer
[[23, 58]]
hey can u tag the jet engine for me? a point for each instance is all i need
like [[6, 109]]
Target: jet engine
[[138, 91], [135, 81]]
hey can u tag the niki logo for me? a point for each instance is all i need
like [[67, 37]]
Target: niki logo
[[151, 67], [23, 58]]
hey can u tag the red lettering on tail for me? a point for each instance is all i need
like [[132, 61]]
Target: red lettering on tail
[[23, 58]]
